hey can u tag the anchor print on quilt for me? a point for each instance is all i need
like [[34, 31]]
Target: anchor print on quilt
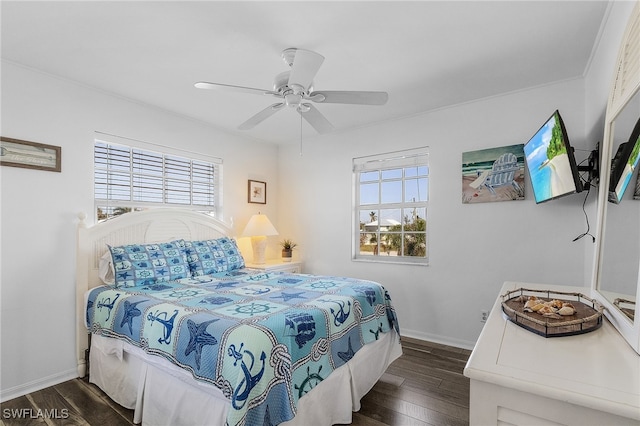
[[258, 376]]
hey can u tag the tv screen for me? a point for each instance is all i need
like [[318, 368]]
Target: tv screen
[[623, 165], [550, 161]]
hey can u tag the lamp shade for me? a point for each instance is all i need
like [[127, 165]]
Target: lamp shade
[[259, 225]]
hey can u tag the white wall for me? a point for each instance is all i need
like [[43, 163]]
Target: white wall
[[39, 208], [473, 248]]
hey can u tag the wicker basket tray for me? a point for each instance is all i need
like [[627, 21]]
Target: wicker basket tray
[[588, 316]]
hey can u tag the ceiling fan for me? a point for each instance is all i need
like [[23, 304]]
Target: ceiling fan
[[295, 88]]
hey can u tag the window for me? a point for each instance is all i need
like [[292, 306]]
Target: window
[[131, 178], [391, 192]]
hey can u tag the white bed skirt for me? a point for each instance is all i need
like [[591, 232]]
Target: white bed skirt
[[163, 394]]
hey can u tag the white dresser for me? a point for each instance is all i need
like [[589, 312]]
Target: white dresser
[[521, 378]]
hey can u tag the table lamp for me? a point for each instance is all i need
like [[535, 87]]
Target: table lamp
[[258, 228]]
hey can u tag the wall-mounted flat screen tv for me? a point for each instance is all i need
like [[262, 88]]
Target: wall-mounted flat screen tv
[[551, 162], [623, 165]]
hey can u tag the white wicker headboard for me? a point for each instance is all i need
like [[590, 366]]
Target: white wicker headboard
[[149, 226]]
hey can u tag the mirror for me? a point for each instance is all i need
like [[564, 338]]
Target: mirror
[[620, 256], [616, 277]]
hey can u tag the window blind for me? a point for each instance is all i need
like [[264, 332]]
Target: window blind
[[141, 176], [408, 158]]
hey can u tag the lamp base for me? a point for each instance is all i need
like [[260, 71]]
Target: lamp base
[[259, 246]]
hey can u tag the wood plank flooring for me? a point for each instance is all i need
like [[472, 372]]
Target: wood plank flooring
[[425, 386]]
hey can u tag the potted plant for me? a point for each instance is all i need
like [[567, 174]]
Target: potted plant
[[287, 249]]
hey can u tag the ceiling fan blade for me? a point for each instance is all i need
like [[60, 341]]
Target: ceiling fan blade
[[217, 86], [261, 116], [316, 119], [304, 68], [349, 97]]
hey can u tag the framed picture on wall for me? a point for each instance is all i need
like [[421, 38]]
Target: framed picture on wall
[[257, 192], [493, 174], [30, 155]]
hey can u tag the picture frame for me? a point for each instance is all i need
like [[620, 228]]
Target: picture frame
[[30, 155], [257, 192], [493, 174]]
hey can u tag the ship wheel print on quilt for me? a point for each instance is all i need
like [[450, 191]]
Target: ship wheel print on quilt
[[309, 382], [253, 308]]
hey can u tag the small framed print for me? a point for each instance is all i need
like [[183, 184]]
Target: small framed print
[[257, 192], [30, 155]]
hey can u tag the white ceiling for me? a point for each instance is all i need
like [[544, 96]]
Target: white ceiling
[[425, 54]]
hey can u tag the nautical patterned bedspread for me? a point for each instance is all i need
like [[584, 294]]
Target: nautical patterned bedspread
[[264, 339]]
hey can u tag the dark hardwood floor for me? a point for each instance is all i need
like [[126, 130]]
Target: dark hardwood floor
[[425, 386]]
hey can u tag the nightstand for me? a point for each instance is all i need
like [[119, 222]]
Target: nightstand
[[278, 265]]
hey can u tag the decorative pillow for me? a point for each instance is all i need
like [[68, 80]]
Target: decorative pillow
[[210, 256], [105, 268], [136, 265]]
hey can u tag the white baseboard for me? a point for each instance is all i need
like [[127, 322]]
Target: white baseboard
[[36, 385], [464, 344]]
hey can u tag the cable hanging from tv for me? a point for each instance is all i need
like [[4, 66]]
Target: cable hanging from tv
[[592, 169]]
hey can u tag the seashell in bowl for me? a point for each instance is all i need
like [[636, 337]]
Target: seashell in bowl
[[567, 309], [533, 301], [556, 303], [546, 310], [538, 307]]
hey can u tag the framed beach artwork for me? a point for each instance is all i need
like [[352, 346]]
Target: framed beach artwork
[[257, 192], [30, 155], [493, 174]]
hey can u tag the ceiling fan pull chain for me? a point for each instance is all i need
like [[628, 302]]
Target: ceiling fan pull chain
[[300, 135]]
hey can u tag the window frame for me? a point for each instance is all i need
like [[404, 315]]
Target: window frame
[[404, 159], [166, 155]]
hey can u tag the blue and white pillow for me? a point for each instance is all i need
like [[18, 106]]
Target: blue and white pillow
[[144, 264], [211, 256]]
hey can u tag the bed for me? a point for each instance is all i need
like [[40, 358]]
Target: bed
[[199, 339]]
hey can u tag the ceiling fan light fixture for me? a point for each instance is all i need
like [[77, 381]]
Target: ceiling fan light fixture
[[293, 99]]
